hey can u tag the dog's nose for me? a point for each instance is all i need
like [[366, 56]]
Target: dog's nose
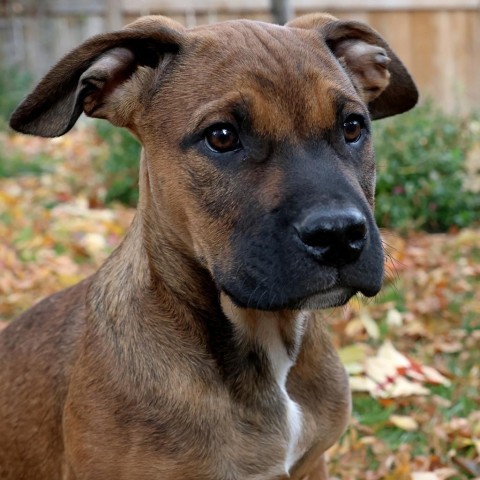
[[335, 236]]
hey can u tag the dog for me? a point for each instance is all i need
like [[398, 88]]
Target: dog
[[194, 351]]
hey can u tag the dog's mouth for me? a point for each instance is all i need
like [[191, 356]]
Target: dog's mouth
[[331, 297]]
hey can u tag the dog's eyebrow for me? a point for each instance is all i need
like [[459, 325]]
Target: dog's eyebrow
[[229, 108], [345, 103]]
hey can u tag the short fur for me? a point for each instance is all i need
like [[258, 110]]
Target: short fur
[[192, 353]]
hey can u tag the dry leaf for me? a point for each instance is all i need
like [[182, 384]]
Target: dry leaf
[[403, 422], [424, 476]]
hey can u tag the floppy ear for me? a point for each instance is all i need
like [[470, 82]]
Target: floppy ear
[[98, 78], [378, 75]]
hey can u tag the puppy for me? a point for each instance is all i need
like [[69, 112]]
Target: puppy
[[193, 352]]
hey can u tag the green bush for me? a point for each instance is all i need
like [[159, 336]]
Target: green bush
[[14, 85], [421, 160], [120, 169]]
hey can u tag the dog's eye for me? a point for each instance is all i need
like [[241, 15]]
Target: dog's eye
[[222, 138], [352, 128]]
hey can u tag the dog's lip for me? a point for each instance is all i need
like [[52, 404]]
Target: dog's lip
[[334, 296], [371, 292], [330, 297]]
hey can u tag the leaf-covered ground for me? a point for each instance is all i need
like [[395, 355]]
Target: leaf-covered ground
[[413, 353]]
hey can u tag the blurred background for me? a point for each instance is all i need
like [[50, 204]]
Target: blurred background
[[413, 353]]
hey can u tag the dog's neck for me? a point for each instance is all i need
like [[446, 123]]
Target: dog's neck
[[274, 340], [247, 344], [277, 335]]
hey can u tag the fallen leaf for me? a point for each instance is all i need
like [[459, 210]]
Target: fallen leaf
[[394, 318], [468, 466], [391, 374], [404, 422], [370, 325], [424, 476]]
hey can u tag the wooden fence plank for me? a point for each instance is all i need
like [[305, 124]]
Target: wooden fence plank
[[335, 5]]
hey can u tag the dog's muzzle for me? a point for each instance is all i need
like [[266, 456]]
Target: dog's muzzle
[[318, 261]]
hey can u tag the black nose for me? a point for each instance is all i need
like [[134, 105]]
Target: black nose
[[335, 236]]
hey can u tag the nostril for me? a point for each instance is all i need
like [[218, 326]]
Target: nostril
[[320, 236], [335, 236], [356, 234]]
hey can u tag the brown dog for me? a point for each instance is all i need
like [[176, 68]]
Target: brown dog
[[191, 353]]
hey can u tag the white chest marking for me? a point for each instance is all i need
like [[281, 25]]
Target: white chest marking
[[270, 339]]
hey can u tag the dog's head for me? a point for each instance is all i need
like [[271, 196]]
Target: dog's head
[[257, 143]]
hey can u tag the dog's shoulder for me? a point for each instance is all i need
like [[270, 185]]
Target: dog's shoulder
[[49, 327]]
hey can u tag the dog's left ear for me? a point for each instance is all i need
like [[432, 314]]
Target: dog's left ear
[[379, 77], [102, 77]]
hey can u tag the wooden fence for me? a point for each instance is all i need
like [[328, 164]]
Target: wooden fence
[[439, 41]]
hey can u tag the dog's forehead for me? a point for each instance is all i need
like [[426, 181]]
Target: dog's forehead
[[286, 77]]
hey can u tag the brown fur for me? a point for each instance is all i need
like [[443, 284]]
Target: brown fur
[[147, 369]]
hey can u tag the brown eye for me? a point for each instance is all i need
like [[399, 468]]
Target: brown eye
[[222, 138], [352, 128]]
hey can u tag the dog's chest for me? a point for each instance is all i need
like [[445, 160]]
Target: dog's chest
[[285, 413], [280, 364], [202, 428]]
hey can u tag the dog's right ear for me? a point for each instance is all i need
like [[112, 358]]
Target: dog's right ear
[[378, 75], [93, 78]]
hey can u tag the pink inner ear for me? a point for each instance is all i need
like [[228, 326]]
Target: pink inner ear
[[367, 66]]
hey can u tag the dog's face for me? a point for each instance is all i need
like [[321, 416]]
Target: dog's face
[[257, 143], [274, 167]]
